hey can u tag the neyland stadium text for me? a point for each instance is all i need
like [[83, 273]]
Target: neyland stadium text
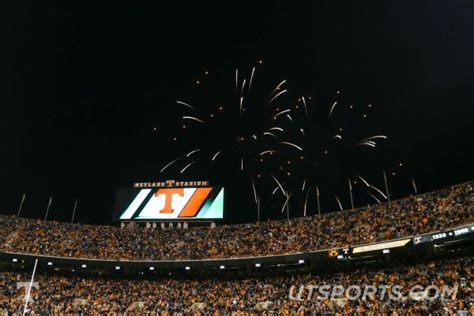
[[171, 184]]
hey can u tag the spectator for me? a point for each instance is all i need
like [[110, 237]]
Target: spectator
[[69, 294], [406, 217]]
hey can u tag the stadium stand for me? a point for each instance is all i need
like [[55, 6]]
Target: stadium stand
[[419, 214], [256, 295], [85, 281]]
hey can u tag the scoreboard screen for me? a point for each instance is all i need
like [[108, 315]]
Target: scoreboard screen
[[155, 204]]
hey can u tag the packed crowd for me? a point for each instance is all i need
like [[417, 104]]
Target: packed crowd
[[434, 211], [276, 294]]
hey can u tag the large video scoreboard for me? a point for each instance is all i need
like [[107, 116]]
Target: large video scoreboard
[[170, 200]]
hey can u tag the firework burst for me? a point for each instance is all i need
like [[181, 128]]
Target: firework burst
[[249, 126], [240, 122], [332, 141]]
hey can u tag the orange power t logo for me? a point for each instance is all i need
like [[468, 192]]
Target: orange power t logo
[[193, 204], [169, 198]]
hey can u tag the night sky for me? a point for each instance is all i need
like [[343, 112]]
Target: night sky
[[85, 84]]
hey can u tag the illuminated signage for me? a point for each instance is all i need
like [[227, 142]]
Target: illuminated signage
[[417, 240], [439, 236], [171, 184], [381, 246], [461, 231], [170, 203], [442, 235]]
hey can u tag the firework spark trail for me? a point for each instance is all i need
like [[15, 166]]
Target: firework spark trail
[[276, 189], [369, 141], [169, 164], [258, 208], [270, 134], [279, 185], [288, 196], [194, 119], [317, 200], [192, 152], [373, 196], [293, 145], [187, 166], [337, 136], [338, 202], [281, 112], [276, 129], [378, 190], [215, 155], [304, 184], [185, 104], [363, 180], [289, 117], [278, 87], [241, 102], [236, 79], [241, 163], [302, 131], [306, 202], [254, 136], [374, 137], [251, 78], [277, 95], [266, 152], [369, 144], [305, 107], [254, 192], [243, 86], [332, 109]]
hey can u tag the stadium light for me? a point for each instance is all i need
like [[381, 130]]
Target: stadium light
[[386, 251], [14, 260], [301, 261], [222, 267], [258, 265], [50, 263], [117, 268], [152, 268], [187, 268], [84, 266], [340, 257]]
